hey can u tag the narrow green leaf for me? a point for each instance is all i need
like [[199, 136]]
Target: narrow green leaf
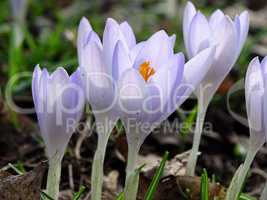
[[78, 194], [246, 197], [155, 181], [45, 196], [204, 188], [121, 196], [188, 122], [16, 169]]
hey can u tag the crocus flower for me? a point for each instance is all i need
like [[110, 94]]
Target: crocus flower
[[229, 37], [151, 84], [59, 101], [255, 92], [99, 81]]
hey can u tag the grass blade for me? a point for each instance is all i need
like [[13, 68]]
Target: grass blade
[[121, 196], [78, 194], [245, 197], [155, 181], [16, 169], [204, 188], [45, 196], [189, 122]]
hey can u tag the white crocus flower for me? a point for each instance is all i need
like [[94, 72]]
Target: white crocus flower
[[256, 94], [99, 81], [59, 101], [152, 82], [229, 37]]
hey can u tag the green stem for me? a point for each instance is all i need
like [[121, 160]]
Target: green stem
[[97, 168], [244, 171], [132, 178], [53, 179], [192, 160], [264, 193]]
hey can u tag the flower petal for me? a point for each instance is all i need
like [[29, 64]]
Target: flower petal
[[112, 34], [215, 19], [172, 41], [156, 50], [197, 67], [35, 83], [128, 34], [97, 82], [199, 34], [131, 96], [225, 58], [83, 33], [264, 69], [169, 76], [242, 26], [136, 50], [167, 79], [254, 90], [189, 14], [121, 60]]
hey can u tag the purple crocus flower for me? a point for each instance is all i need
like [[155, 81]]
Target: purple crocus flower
[[140, 83], [255, 93], [59, 101], [229, 37], [152, 82]]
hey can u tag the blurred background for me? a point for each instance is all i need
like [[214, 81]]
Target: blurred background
[[44, 32]]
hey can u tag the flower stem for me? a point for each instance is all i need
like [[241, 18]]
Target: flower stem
[[247, 164], [132, 177], [97, 168], [264, 193], [192, 160], [53, 179]]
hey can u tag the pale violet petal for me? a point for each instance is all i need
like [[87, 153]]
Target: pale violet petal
[[35, 83], [224, 60], [254, 91], [131, 95], [98, 83], [172, 41], [199, 34], [121, 60], [112, 34], [156, 50], [242, 26], [166, 79], [188, 16], [264, 70], [197, 67], [136, 50], [83, 33], [215, 19], [128, 34]]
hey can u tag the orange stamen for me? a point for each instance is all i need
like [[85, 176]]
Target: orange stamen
[[146, 70]]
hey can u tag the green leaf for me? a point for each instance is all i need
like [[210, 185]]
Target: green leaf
[[155, 181], [121, 196], [246, 197], [188, 122], [45, 196], [19, 169], [78, 194], [204, 188]]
